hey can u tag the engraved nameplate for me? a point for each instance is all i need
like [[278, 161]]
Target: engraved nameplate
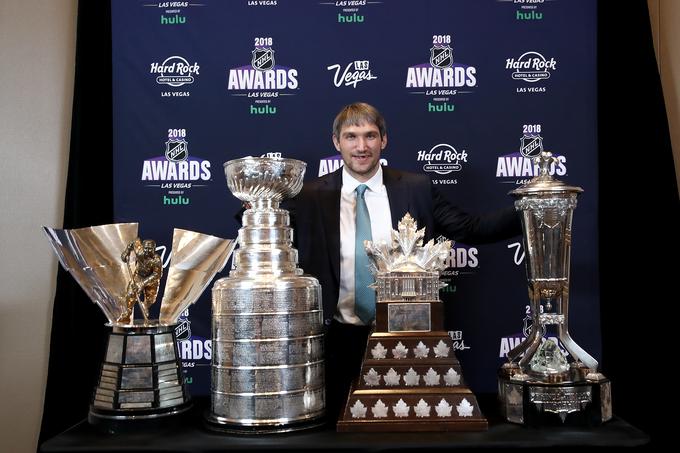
[[408, 317]]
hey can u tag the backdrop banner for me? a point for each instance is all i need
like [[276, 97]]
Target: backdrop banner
[[470, 89]]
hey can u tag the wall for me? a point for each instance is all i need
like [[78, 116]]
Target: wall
[[665, 17], [37, 48]]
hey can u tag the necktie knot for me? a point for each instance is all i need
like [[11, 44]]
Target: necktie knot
[[361, 188]]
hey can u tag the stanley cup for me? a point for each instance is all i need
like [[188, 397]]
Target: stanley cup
[[141, 376], [544, 380], [267, 324]]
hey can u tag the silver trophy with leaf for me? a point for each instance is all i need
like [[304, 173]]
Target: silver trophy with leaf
[[141, 375], [410, 378]]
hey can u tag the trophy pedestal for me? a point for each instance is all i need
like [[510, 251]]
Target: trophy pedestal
[[411, 382], [580, 403], [141, 376]]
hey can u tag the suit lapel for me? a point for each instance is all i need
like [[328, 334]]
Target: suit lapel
[[397, 194], [330, 213]]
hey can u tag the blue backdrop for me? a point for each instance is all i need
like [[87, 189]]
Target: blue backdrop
[[468, 88]]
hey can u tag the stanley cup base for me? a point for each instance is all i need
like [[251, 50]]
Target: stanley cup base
[[585, 403], [222, 425], [141, 377]]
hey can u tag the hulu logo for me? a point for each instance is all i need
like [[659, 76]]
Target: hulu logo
[[266, 110], [445, 107], [175, 200], [350, 19], [177, 19], [448, 289], [532, 15]]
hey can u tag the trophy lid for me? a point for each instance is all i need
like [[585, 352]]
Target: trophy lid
[[544, 182]]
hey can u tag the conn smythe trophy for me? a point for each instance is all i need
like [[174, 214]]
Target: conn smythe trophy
[[268, 361], [141, 375], [540, 383], [410, 379]]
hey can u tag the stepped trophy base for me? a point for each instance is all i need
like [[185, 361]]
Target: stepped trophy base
[[141, 377], [411, 382]]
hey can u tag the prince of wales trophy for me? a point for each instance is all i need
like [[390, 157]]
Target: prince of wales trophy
[[540, 383], [410, 378], [141, 376]]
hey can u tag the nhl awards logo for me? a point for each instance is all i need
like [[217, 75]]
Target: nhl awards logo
[[441, 78], [441, 56], [262, 81], [519, 167], [175, 172], [263, 59]]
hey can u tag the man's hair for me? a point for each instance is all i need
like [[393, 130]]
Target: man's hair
[[356, 114]]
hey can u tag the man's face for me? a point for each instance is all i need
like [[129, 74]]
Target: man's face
[[360, 147]]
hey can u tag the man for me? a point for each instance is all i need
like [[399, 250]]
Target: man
[[326, 227]]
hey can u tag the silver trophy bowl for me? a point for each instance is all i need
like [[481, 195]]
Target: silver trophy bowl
[[253, 179]]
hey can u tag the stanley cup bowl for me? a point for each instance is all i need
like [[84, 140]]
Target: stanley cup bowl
[[264, 178]]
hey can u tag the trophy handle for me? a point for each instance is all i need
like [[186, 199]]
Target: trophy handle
[[576, 351]]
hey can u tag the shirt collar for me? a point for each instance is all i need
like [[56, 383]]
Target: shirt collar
[[349, 183]]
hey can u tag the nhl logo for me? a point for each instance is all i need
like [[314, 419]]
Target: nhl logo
[[183, 329], [263, 58], [441, 56], [176, 150], [532, 145]]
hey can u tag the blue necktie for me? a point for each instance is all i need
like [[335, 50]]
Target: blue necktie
[[364, 297]]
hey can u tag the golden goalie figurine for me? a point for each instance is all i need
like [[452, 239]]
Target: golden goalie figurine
[[144, 280]]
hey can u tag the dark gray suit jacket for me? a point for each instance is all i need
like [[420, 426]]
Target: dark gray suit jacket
[[315, 216]]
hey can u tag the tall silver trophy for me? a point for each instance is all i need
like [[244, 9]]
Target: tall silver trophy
[[546, 382], [267, 324], [141, 375]]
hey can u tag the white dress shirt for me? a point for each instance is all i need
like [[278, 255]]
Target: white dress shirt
[[381, 226]]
